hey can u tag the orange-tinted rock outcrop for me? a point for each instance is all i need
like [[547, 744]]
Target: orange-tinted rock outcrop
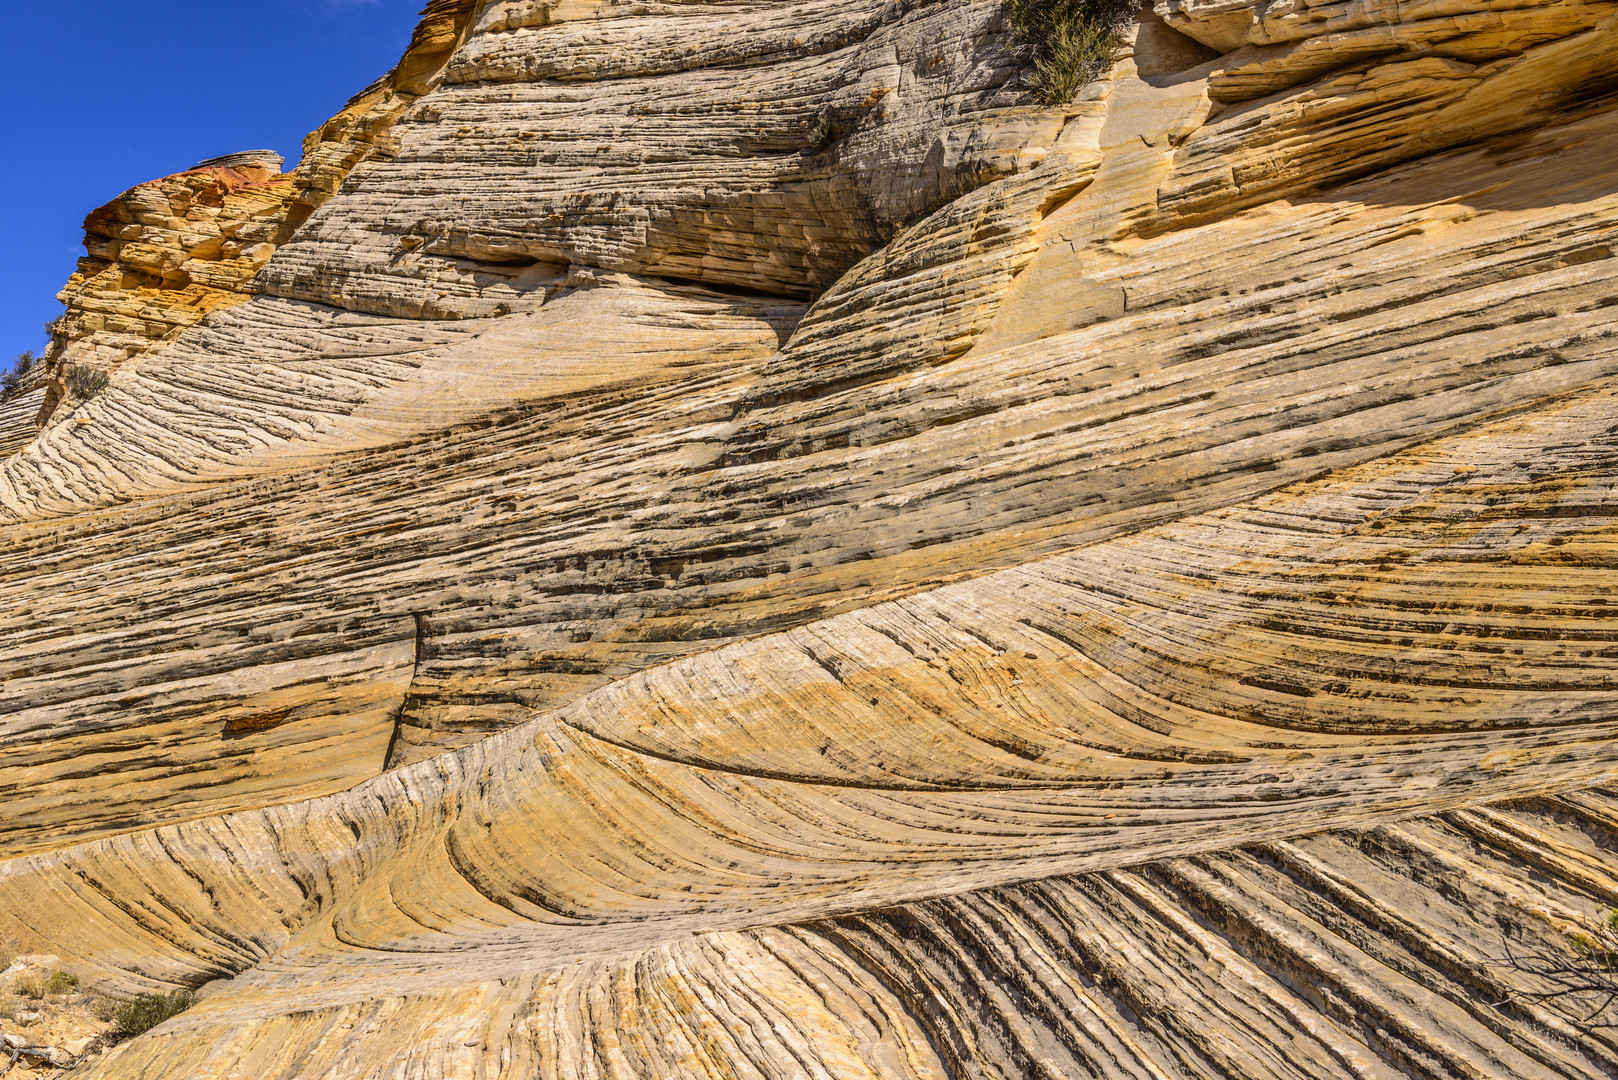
[[164, 254]]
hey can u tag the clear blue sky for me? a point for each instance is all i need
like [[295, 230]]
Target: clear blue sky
[[101, 95]]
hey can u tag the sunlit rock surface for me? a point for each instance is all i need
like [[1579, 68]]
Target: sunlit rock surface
[[728, 541], [165, 254]]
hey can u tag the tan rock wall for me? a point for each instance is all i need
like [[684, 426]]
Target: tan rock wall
[[1215, 683], [17, 415], [1007, 379], [1151, 616], [676, 140]]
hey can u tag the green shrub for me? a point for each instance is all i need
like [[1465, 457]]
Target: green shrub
[[40, 987], [141, 1014], [86, 383], [13, 378], [1069, 42]]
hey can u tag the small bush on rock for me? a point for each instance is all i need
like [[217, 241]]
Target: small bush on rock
[[13, 378], [141, 1014], [1069, 42], [86, 383], [40, 987]]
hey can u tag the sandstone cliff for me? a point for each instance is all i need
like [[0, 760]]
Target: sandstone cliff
[[164, 254], [726, 539]]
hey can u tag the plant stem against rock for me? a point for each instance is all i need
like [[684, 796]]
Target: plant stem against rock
[[1579, 981]]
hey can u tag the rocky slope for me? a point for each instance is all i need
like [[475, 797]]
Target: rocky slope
[[727, 540], [165, 254]]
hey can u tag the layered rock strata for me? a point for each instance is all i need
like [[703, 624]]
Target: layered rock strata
[[844, 571], [164, 254], [18, 413]]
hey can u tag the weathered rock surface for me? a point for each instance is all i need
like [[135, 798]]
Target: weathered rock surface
[[733, 544], [18, 413], [165, 254]]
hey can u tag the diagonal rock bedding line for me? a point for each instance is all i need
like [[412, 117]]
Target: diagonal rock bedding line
[[1344, 953], [670, 803], [569, 544]]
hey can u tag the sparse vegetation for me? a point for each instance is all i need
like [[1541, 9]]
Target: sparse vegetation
[[141, 1014], [1580, 980], [12, 379], [31, 987], [823, 134], [1068, 42], [85, 383], [39, 987], [102, 1007]]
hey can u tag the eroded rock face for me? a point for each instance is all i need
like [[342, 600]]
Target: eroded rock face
[[756, 146], [734, 544], [165, 254]]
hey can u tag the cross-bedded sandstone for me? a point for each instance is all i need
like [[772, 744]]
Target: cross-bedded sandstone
[[735, 544]]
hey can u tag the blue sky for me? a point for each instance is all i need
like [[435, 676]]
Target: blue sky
[[104, 94]]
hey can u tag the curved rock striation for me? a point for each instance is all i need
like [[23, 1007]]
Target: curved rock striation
[[1054, 720], [725, 541]]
